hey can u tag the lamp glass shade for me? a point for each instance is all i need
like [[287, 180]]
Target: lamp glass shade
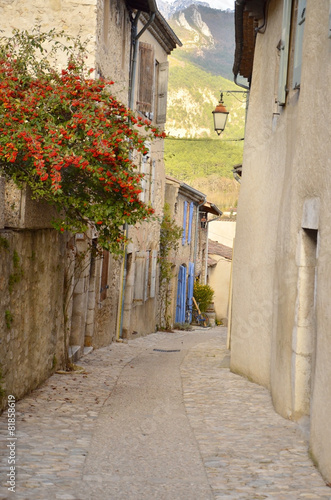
[[220, 116]]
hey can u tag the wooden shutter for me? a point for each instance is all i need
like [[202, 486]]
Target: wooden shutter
[[153, 274], [139, 277], [104, 275], [146, 78], [298, 43], [184, 223], [284, 51], [162, 91], [146, 295], [189, 235]]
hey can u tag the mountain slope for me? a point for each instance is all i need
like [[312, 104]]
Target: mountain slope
[[207, 36]]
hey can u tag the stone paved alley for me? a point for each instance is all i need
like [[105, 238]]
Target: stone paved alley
[[145, 423]]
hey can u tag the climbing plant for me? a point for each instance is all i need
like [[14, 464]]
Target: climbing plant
[[170, 234], [68, 138]]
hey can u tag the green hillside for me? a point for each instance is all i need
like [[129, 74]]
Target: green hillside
[[193, 151]]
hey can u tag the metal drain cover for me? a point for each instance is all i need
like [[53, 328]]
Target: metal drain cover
[[167, 350]]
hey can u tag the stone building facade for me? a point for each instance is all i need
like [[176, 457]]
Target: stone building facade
[[78, 299], [190, 210], [281, 280]]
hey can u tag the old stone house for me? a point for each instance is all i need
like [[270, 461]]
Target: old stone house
[[281, 282], [59, 295], [190, 210]]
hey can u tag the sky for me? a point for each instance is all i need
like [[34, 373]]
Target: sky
[[221, 4]]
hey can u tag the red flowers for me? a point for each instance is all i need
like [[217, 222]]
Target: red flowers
[[67, 131]]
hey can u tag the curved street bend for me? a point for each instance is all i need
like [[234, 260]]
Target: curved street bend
[[158, 418]]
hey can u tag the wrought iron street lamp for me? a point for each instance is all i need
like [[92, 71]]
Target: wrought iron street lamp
[[220, 115]]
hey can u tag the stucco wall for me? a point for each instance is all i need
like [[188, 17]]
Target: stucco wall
[[219, 280], [281, 312]]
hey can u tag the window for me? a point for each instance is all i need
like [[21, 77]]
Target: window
[[145, 102], [104, 275], [189, 234], [162, 91], [184, 223]]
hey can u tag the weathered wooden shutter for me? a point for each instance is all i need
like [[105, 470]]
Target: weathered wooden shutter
[[146, 295], [181, 295], [189, 235], [139, 277], [284, 51], [190, 285], [146, 78], [184, 223], [162, 92], [153, 274], [104, 275], [298, 43]]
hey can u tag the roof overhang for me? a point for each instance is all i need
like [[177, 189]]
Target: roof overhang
[[248, 14], [143, 5], [162, 32]]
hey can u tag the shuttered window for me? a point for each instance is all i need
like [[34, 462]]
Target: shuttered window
[[104, 275], [189, 235], [139, 278], [146, 287], [184, 223], [284, 52], [146, 78], [298, 43], [153, 274], [162, 91]]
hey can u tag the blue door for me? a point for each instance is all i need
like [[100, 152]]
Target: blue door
[[190, 284], [181, 295]]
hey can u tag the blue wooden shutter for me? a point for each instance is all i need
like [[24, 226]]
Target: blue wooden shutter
[[298, 43], [184, 223], [190, 285], [284, 51], [189, 235], [181, 295]]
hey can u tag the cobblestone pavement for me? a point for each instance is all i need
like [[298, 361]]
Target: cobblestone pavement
[[85, 436]]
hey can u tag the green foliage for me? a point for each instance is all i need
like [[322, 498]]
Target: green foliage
[[64, 135], [9, 319], [4, 243], [188, 159], [203, 294], [17, 275], [170, 234]]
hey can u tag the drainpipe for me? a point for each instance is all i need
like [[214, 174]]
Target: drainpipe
[[196, 233], [132, 79]]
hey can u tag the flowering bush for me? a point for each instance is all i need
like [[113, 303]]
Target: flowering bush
[[64, 135]]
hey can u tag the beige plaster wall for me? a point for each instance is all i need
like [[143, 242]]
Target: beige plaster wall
[[219, 280], [281, 312], [222, 231]]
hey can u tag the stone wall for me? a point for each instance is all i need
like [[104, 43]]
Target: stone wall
[[31, 309]]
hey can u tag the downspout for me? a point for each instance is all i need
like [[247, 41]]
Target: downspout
[[132, 79], [196, 233]]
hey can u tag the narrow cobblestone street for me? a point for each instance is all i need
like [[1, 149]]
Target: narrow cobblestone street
[[158, 418]]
